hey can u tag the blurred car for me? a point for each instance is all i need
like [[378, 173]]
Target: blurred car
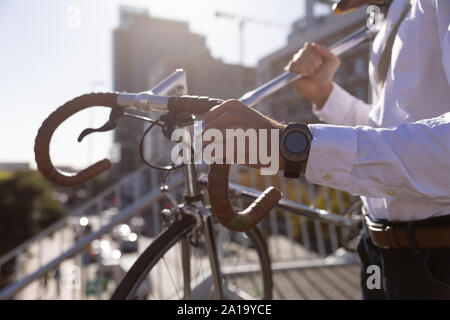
[[137, 224], [127, 239], [83, 226], [129, 243], [100, 251], [120, 231], [108, 214]]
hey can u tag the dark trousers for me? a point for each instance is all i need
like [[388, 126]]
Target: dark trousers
[[404, 274]]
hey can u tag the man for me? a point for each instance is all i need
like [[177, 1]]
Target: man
[[394, 153]]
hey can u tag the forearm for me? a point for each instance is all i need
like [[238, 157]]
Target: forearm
[[410, 160]]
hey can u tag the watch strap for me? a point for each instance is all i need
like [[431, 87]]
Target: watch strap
[[292, 169]]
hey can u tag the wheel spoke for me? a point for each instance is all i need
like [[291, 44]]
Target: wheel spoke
[[170, 276], [235, 254]]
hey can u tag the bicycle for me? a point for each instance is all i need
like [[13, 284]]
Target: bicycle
[[190, 226]]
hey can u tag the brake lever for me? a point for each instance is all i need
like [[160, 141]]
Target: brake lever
[[111, 124]]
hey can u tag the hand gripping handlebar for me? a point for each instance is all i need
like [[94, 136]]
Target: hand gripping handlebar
[[218, 176]]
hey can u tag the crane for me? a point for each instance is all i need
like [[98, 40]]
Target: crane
[[241, 21]]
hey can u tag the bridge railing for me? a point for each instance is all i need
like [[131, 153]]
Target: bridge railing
[[298, 230]]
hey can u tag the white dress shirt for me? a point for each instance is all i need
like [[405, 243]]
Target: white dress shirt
[[396, 152]]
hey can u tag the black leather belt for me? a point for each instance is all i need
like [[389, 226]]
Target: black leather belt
[[420, 234]]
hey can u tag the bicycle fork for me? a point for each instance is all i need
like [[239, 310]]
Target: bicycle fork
[[213, 258], [192, 192], [211, 250]]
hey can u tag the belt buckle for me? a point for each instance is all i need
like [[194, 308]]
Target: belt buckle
[[374, 227]]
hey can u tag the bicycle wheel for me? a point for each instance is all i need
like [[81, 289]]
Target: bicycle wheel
[[158, 272]]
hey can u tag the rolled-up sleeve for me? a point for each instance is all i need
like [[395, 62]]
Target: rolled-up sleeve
[[341, 108], [409, 160]]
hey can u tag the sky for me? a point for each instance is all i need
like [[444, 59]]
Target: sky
[[55, 50]]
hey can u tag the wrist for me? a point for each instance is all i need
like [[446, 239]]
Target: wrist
[[281, 160], [305, 162], [322, 96]]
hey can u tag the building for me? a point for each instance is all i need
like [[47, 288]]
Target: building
[[286, 104], [148, 49]]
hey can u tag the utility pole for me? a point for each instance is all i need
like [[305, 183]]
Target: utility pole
[[241, 21]]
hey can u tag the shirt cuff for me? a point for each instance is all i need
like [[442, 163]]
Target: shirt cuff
[[332, 156], [337, 106]]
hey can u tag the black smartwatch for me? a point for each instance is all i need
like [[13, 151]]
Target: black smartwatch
[[295, 142]]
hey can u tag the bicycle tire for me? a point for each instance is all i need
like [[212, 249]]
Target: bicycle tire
[[165, 241]]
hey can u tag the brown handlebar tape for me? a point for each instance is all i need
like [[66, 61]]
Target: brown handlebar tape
[[48, 127], [192, 104], [221, 205]]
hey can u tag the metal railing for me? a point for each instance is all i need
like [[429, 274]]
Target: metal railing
[[306, 221], [302, 230], [127, 213], [92, 206]]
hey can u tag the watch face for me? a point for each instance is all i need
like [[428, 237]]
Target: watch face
[[296, 142]]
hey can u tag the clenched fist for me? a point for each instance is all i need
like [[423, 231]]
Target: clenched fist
[[317, 65]]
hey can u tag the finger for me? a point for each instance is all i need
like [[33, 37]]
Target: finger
[[228, 119], [323, 50], [302, 68], [215, 111], [302, 82], [325, 53], [224, 107], [316, 60], [308, 64], [288, 66], [221, 138], [233, 151], [294, 62]]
